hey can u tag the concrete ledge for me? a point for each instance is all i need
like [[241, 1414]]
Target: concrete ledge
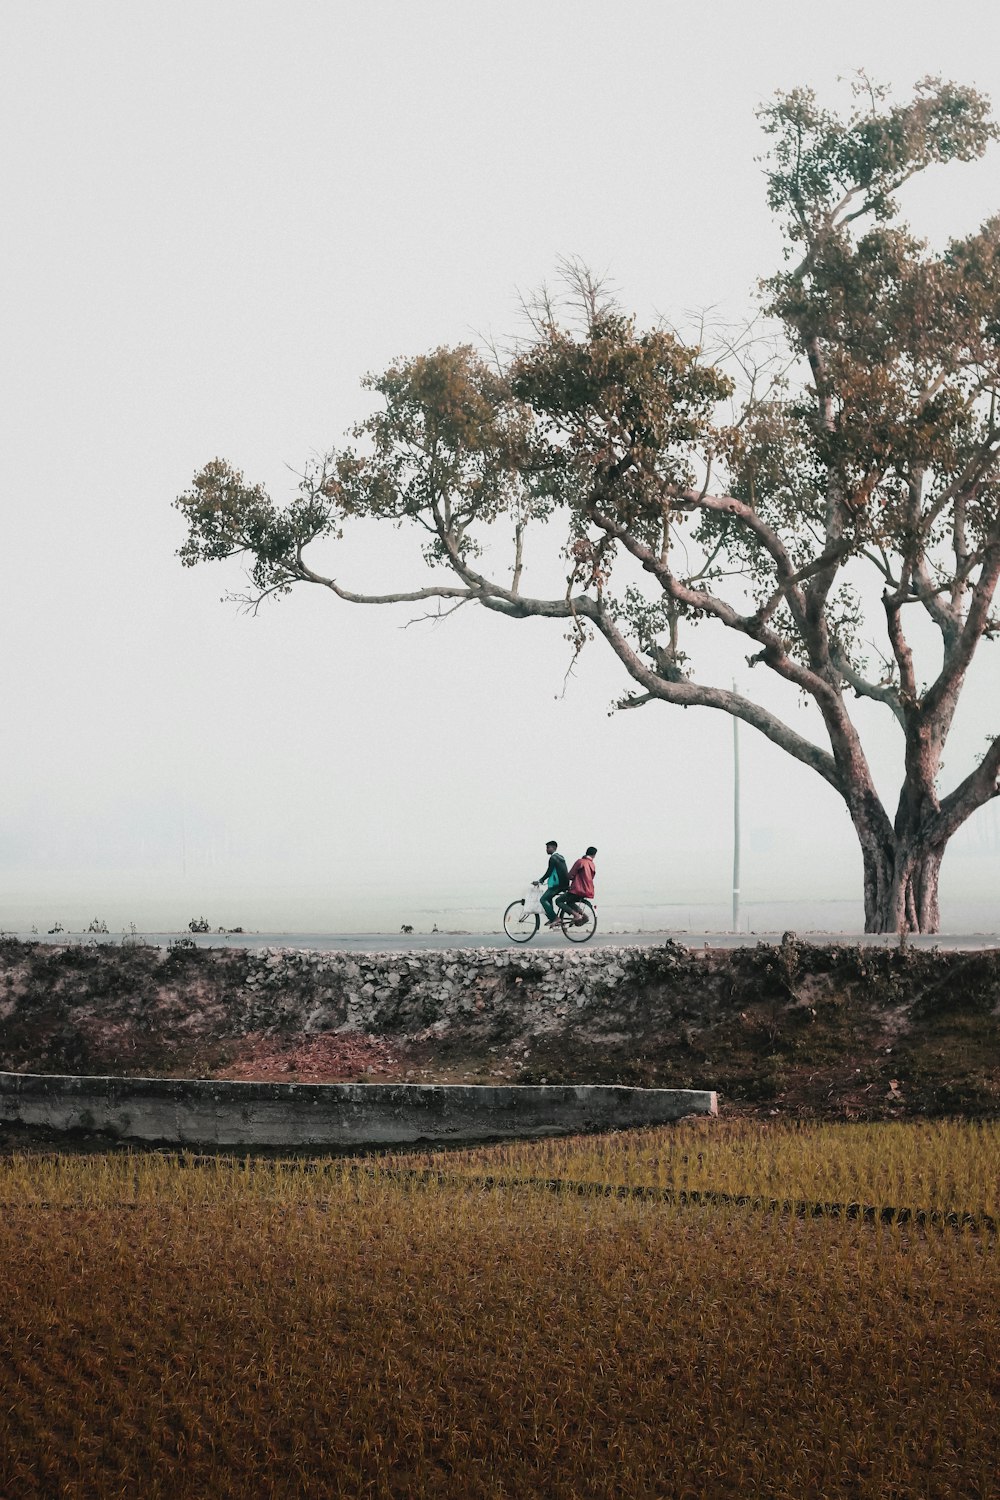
[[185, 1111]]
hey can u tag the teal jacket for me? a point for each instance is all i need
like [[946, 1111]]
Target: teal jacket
[[556, 875]]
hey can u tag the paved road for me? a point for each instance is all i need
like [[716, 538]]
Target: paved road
[[442, 941]]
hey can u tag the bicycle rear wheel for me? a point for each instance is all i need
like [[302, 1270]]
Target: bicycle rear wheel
[[520, 925], [579, 924]]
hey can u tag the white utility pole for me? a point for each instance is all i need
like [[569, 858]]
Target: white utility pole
[[736, 821]]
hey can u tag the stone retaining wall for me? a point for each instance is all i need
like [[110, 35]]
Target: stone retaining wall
[[421, 994]]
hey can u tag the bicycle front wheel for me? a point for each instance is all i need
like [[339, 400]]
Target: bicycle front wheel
[[520, 925], [579, 923]]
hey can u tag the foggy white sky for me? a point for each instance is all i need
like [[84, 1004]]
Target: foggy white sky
[[217, 218]]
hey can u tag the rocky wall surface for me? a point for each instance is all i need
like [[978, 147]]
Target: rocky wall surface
[[425, 995], [98, 1007]]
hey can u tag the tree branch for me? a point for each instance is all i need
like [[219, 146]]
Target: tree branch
[[976, 789], [754, 626], [880, 692], [944, 689], [433, 591], [729, 505], [695, 695], [900, 646]]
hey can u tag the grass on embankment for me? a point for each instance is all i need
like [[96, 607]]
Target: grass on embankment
[[248, 1328]]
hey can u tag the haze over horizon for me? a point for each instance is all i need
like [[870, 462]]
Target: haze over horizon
[[219, 218]]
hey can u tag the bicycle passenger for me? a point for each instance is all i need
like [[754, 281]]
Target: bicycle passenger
[[581, 883], [555, 879]]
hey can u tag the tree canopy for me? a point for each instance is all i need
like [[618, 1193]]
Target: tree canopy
[[759, 496]]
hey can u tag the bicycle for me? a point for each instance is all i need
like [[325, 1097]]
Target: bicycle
[[577, 918]]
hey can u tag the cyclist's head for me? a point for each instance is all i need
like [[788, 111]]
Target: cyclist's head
[[591, 852], [551, 845]]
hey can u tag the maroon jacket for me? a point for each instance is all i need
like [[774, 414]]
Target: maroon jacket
[[581, 877]]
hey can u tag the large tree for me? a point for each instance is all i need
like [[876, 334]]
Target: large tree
[[853, 490]]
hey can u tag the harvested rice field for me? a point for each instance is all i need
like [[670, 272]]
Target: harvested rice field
[[700, 1311]]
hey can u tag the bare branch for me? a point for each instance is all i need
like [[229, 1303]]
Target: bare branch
[[959, 657], [976, 789], [515, 582], [435, 616], [755, 626], [900, 648], [695, 695], [879, 692], [410, 596]]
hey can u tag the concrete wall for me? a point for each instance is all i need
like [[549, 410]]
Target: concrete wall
[[180, 1111]]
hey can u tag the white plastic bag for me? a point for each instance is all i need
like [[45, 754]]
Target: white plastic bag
[[533, 900]]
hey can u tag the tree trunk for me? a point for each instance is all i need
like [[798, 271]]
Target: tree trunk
[[901, 888]]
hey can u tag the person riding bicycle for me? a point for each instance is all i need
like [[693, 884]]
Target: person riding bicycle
[[581, 883], [555, 879]]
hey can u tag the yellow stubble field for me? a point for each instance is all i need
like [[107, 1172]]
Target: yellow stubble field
[[460, 1325]]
